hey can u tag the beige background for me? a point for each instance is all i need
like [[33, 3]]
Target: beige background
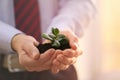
[[101, 44]]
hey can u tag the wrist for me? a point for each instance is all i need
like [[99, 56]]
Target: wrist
[[15, 40]]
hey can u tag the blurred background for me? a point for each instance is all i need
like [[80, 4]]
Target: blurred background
[[101, 44]]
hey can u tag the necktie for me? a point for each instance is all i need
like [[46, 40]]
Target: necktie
[[27, 17]]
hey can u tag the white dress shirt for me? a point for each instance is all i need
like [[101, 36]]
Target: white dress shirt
[[65, 14]]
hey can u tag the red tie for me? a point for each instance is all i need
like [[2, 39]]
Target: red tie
[[27, 17]]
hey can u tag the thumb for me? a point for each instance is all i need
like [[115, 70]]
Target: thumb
[[73, 41], [35, 53], [36, 43]]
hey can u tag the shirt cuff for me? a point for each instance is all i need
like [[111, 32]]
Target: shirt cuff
[[7, 32]]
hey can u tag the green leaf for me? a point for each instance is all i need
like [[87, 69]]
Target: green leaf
[[55, 31], [56, 43], [52, 36], [46, 37], [64, 41], [61, 36]]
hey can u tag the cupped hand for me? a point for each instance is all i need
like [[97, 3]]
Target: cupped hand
[[68, 56], [43, 63], [29, 55], [22, 42]]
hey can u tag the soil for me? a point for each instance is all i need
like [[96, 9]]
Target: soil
[[43, 47]]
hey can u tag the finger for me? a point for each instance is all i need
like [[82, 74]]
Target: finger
[[59, 65], [26, 60], [72, 53], [58, 52], [32, 51], [73, 40], [65, 60], [47, 55], [78, 49], [52, 58], [23, 58], [54, 69], [54, 55], [56, 63], [31, 64], [35, 53], [69, 53], [78, 52], [63, 67], [36, 43]]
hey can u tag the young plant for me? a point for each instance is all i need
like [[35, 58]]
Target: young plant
[[57, 41]]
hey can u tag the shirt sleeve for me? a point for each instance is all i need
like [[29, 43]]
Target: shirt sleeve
[[74, 16], [6, 34]]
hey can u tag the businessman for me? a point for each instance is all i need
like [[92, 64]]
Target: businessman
[[22, 34]]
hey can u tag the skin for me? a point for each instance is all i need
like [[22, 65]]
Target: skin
[[68, 56], [29, 55], [54, 60]]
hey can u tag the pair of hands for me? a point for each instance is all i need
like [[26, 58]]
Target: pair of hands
[[54, 60]]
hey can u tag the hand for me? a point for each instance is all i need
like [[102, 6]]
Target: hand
[[68, 56], [43, 63], [29, 55], [27, 43]]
